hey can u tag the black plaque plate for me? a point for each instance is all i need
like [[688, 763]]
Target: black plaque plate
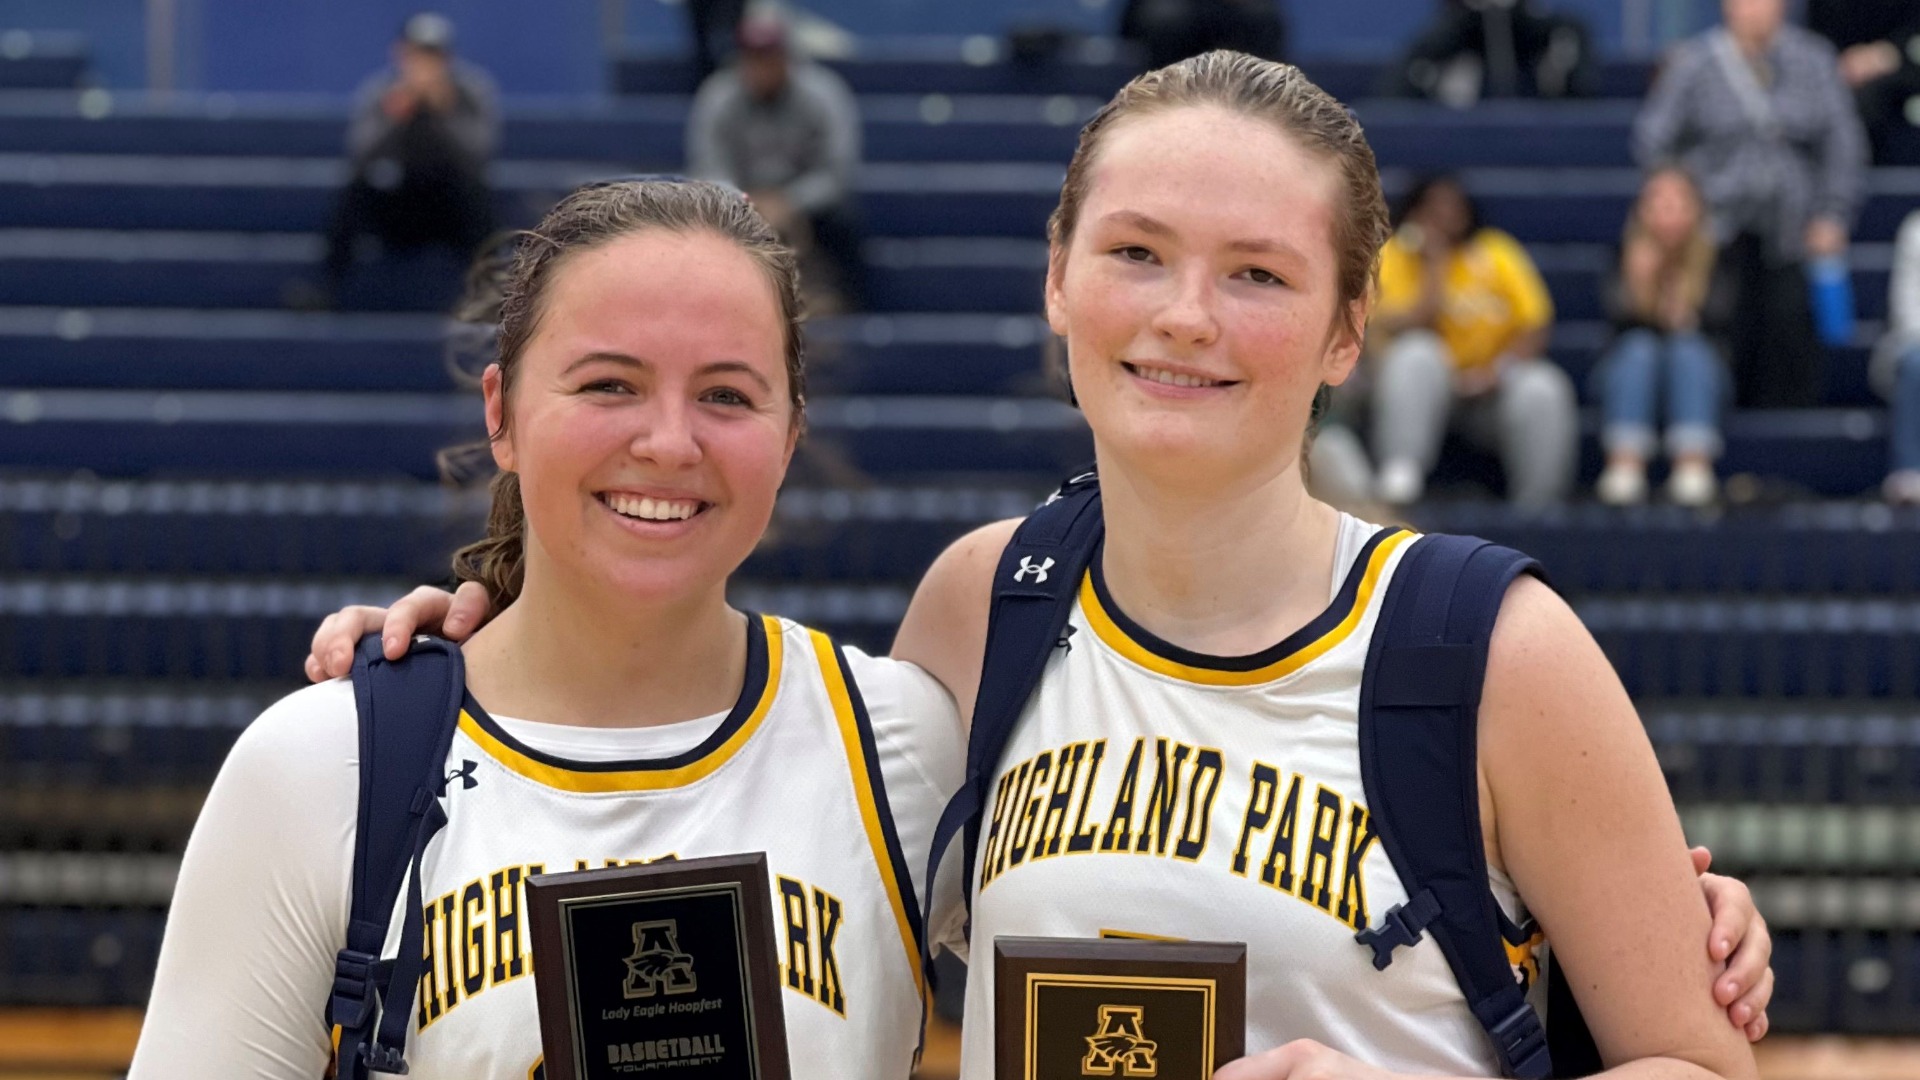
[[661, 970], [1069, 1008]]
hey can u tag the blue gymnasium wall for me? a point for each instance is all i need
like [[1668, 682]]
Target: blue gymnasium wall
[[556, 46], [1320, 27], [531, 46], [115, 29], [328, 46]]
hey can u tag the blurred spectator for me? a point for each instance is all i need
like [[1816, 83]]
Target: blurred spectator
[[1658, 298], [1756, 112], [786, 132], [1879, 43], [422, 133], [1464, 319], [716, 24], [1172, 30], [1495, 48], [1337, 467], [1896, 364]]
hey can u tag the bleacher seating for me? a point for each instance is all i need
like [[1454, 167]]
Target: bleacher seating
[[68, 267], [43, 60], [925, 124], [980, 65], [1540, 204], [191, 475]]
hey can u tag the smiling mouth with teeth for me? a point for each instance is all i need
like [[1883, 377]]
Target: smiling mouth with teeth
[[649, 509], [1175, 378]]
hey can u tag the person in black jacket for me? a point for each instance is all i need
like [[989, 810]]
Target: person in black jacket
[[1511, 48], [422, 133], [1172, 30], [1879, 43]]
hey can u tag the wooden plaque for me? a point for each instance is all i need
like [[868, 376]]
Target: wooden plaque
[[1067, 1008], [666, 967]]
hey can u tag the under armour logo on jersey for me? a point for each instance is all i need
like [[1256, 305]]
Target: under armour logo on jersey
[[1065, 640], [1027, 567], [464, 774]]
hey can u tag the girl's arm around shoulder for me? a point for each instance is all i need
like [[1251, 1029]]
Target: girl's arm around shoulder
[[260, 907], [922, 751], [944, 635], [945, 628], [917, 736], [1582, 821]]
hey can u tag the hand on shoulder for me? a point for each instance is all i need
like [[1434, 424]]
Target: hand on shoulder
[[426, 609]]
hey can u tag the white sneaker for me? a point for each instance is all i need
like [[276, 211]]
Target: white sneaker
[[1622, 485], [1902, 486], [1693, 484], [1399, 483]]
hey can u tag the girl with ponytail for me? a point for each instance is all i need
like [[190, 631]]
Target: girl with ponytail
[[644, 398]]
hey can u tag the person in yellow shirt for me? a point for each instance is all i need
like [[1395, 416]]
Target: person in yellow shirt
[[1459, 339]]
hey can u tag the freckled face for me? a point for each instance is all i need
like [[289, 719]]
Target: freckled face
[[649, 417], [1198, 295]]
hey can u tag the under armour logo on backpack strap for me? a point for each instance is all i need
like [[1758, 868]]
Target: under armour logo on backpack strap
[[1027, 566]]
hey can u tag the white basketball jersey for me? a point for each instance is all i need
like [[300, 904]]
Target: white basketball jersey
[[790, 771], [1152, 792]]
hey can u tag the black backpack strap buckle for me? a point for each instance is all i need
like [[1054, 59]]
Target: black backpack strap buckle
[[357, 980], [386, 1059], [1402, 926], [1520, 1041]]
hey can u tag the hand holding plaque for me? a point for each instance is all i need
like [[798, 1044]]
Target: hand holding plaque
[[668, 966], [1066, 1008]]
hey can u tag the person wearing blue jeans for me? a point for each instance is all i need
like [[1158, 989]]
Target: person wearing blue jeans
[[1903, 482], [1897, 365], [1662, 360], [1643, 369]]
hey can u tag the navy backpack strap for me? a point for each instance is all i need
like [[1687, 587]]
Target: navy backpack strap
[[1034, 588], [408, 712], [1419, 710]]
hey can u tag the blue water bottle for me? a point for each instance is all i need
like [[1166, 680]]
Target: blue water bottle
[[1832, 293]]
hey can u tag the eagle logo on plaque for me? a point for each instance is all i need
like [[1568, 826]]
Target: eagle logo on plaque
[[657, 965], [1121, 1045]]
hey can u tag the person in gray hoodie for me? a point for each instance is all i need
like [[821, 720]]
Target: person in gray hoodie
[[1756, 111], [786, 132]]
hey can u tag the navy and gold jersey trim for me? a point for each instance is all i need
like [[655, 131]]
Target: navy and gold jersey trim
[[869, 784], [756, 699], [1302, 647]]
